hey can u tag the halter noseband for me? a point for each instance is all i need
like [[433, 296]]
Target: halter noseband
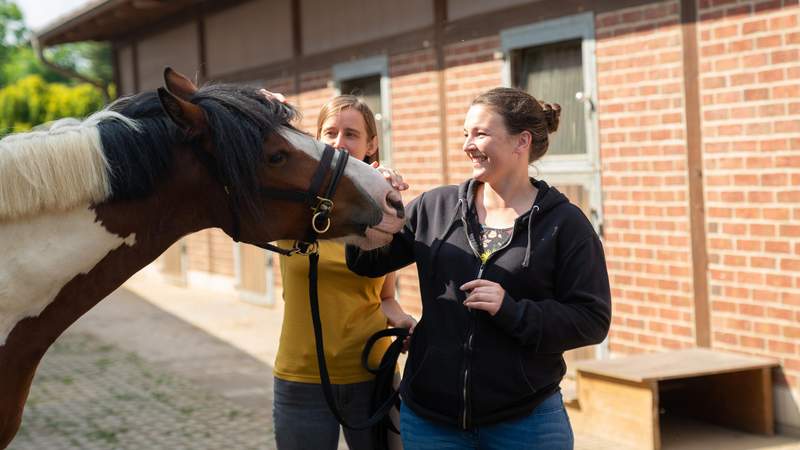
[[321, 204]]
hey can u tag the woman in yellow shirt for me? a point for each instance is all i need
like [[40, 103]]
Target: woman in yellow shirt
[[352, 308]]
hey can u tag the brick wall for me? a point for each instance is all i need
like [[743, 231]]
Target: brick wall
[[415, 140], [313, 92], [645, 187], [750, 93]]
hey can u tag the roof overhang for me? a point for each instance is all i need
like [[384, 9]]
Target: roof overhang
[[111, 20]]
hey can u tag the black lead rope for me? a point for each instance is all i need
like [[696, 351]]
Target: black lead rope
[[384, 371]]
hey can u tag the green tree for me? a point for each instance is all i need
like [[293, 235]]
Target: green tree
[[31, 92], [18, 58], [23, 62], [12, 30], [92, 59]]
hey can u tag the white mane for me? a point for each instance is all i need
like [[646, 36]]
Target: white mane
[[55, 169]]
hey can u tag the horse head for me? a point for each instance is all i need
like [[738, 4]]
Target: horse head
[[366, 209]]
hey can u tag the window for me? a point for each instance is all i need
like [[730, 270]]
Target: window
[[554, 73], [368, 89], [368, 79]]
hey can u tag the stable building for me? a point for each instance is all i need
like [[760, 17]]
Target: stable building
[[679, 139]]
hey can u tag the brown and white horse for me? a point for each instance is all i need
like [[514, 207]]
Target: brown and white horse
[[84, 205]]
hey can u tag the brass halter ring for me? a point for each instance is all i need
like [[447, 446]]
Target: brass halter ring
[[314, 222], [322, 209]]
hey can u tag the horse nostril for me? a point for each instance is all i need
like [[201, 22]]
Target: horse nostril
[[394, 200]]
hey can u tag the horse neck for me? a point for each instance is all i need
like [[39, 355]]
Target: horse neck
[[62, 264], [56, 266]]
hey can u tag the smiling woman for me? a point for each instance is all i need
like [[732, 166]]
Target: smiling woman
[[93, 202], [352, 308], [511, 276]]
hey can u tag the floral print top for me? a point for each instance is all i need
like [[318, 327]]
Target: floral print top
[[492, 239]]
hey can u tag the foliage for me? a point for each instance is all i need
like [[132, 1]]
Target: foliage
[[32, 93], [23, 62], [32, 101], [91, 59], [12, 28]]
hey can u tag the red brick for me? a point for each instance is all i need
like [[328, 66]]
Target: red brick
[[780, 313], [781, 347], [752, 342], [791, 332]]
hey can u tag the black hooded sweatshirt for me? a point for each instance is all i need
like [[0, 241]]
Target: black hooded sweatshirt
[[466, 367]]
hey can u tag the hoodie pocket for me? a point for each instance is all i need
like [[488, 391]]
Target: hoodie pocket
[[499, 382], [435, 383]]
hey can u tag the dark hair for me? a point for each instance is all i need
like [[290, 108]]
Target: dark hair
[[340, 103], [521, 112]]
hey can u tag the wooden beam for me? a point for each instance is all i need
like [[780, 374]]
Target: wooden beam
[[297, 45], [491, 23], [115, 70], [694, 150], [439, 21], [202, 55], [137, 86]]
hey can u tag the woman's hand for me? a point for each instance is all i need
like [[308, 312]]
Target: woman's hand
[[407, 322], [392, 176], [272, 95], [484, 295]]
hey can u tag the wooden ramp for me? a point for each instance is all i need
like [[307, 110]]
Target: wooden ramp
[[623, 399]]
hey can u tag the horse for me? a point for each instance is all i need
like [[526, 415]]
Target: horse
[[85, 204]]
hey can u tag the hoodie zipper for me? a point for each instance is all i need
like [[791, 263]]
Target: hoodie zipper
[[468, 345]]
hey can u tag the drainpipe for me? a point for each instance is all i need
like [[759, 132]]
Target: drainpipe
[[69, 73]]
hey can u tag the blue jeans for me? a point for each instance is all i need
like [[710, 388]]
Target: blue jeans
[[303, 421], [546, 428]]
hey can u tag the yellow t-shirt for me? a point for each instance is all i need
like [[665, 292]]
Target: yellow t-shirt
[[350, 312]]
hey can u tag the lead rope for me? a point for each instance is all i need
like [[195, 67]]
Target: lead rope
[[393, 351]]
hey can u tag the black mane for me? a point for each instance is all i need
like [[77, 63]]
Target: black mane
[[239, 117]]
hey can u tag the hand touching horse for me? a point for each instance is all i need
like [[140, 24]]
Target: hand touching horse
[[84, 205]]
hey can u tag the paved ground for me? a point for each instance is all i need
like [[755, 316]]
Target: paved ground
[[91, 395], [160, 367]]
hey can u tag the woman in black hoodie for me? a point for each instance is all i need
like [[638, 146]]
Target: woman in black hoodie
[[511, 276]]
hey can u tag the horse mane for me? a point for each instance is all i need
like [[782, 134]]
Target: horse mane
[[122, 151]]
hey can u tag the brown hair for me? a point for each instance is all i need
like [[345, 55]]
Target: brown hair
[[521, 112], [340, 103]]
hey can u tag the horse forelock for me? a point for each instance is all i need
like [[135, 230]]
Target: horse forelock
[[241, 119]]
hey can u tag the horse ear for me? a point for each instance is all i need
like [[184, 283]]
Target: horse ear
[[188, 116], [178, 84]]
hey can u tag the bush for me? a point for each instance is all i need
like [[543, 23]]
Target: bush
[[32, 101]]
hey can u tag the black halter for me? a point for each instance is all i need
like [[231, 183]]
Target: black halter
[[321, 204]]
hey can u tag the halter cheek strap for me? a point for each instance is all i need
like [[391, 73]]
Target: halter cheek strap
[[321, 204]]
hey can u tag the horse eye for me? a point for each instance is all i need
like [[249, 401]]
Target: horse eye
[[276, 159]]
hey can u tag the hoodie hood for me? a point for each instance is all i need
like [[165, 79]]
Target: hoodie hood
[[547, 198]]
